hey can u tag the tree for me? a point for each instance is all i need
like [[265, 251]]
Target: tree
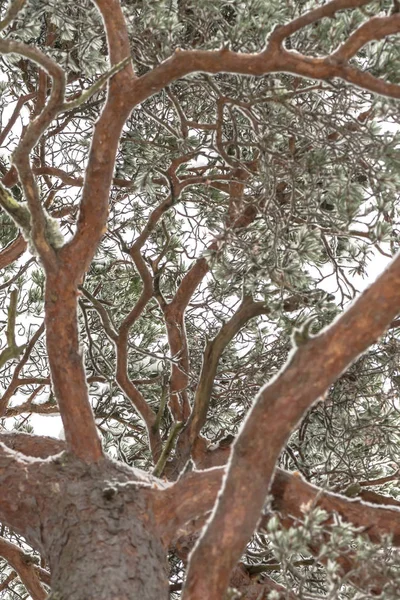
[[191, 194]]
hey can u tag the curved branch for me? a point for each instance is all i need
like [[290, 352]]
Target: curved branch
[[278, 408], [103, 313], [274, 58], [247, 310], [66, 364], [15, 381], [94, 205], [121, 346], [11, 350], [20, 103], [76, 181], [328, 10], [13, 10], [376, 28], [20, 561], [30, 138]]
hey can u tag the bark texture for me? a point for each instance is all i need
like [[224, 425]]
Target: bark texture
[[97, 530]]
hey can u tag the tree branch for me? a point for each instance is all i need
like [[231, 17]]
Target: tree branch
[[14, 8], [374, 29], [11, 350], [20, 103], [247, 310], [30, 138], [328, 10], [15, 382], [121, 346], [20, 561], [169, 445], [12, 252], [277, 409], [192, 497], [274, 58], [32, 445], [94, 205], [18, 508]]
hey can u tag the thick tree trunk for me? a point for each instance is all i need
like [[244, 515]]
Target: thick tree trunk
[[99, 535]]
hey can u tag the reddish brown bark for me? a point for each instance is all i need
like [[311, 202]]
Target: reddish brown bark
[[276, 59], [25, 568], [277, 409], [12, 252], [192, 497], [66, 365]]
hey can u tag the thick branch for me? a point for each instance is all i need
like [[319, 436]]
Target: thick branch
[[194, 496], [275, 58], [20, 561], [94, 205], [32, 445], [66, 365], [18, 509], [277, 410]]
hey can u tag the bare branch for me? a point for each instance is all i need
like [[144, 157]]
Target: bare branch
[[15, 382], [18, 509], [169, 446], [4, 584], [12, 350], [30, 138], [121, 346], [101, 310], [94, 205], [66, 366], [97, 86], [20, 103], [12, 252], [193, 497], [274, 58]]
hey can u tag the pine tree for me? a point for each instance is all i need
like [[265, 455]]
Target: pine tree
[[194, 195]]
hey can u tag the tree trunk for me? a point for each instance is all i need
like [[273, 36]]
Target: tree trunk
[[99, 535]]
